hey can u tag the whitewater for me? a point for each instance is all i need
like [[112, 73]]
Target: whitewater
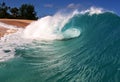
[[81, 46]]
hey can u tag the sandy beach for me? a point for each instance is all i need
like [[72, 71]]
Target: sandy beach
[[16, 22]]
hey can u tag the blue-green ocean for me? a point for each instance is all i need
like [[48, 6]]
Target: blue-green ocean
[[94, 56]]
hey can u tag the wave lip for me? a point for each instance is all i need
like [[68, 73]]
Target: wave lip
[[50, 27], [93, 10]]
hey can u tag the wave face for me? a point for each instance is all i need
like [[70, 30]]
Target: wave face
[[94, 56]]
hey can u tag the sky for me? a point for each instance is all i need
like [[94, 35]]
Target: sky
[[50, 7]]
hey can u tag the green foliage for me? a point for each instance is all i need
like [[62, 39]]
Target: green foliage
[[4, 10], [14, 11], [26, 11]]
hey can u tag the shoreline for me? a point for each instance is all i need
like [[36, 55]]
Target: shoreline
[[20, 23]]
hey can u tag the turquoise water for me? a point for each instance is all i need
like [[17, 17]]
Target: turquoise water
[[94, 56]]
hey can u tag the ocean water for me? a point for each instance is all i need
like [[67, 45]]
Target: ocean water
[[77, 47]]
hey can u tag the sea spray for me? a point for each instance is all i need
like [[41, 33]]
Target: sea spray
[[93, 10], [50, 28], [46, 28]]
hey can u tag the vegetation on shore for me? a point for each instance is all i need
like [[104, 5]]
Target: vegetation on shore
[[25, 11]]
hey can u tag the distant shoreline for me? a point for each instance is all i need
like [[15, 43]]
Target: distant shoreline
[[16, 22]]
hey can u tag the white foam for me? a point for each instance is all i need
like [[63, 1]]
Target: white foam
[[48, 28], [93, 10], [5, 56], [8, 26], [71, 33], [9, 43]]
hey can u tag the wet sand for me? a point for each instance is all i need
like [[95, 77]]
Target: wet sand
[[16, 22]]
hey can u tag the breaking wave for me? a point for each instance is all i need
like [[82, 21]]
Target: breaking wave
[[76, 47]]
